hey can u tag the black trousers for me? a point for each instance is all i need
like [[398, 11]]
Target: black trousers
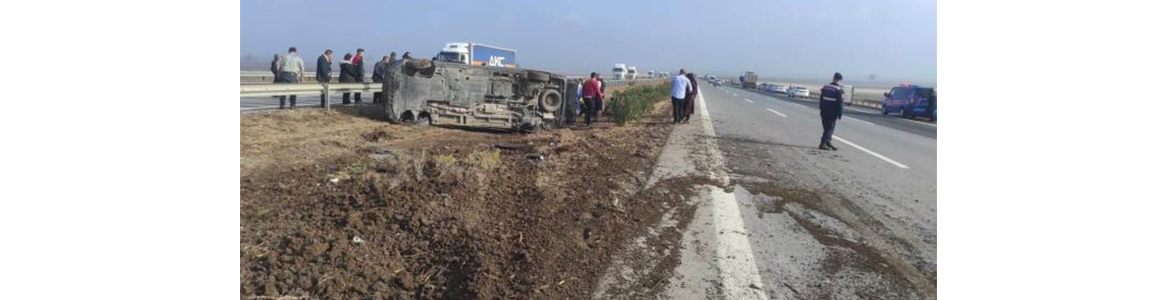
[[592, 106], [829, 120], [677, 109]]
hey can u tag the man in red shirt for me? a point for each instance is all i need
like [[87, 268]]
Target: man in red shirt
[[592, 95]]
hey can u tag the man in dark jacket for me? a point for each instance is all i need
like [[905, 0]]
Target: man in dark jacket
[[380, 73], [324, 68], [831, 105], [276, 67], [359, 72], [347, 74]]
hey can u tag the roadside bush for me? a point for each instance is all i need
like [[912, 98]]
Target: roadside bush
[[631, 104]]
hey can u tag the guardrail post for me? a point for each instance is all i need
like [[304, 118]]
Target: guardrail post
[[325, 96]]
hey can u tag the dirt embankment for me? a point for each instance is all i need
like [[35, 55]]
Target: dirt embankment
[[341, 205]]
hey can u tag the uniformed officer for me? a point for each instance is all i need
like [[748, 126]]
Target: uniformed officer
[[831, 111]]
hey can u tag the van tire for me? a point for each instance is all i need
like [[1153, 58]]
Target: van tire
[[884, 111], [550, 101]]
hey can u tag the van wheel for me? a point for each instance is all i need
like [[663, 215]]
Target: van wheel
[[538, 76], [550, 101], [884, 111], [424, 119]]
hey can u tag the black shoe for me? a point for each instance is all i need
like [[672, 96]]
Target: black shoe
[[831, 146], [822, 146]]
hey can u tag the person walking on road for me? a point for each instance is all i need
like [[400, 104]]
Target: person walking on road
[[592, 94], [680, 86], [831, 105], [379, 75], [324, 70], [292, 70], [347, 74], [359, 71], [689, 102]]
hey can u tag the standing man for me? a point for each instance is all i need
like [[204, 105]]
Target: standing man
[[573, 107], [831, 105], [347, 75], [602, 83], [359, 72], [276, 67], [680, 86], [292, 70], [324, 70], [592, 93], [689, 102], [325, 66], [379, 75]]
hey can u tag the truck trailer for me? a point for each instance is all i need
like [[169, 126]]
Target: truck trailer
[[478, 54], [749, 80]]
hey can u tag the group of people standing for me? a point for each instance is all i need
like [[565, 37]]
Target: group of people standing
[[592, 93], [683, 90], [291, 69]]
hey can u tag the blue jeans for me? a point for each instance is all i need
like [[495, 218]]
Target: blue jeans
[[288, 77]]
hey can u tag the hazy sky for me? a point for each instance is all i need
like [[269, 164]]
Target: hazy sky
[[894, 39]]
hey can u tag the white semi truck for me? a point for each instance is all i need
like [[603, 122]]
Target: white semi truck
[[631, 72], [619, 71]]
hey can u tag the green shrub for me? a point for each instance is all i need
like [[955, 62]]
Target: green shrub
[[629, 105]]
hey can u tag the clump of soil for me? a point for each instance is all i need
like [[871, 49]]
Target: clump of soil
[[381, 211]]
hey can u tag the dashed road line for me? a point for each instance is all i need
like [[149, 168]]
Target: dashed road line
[[860, 121], [875, 154], [776, 112], [919, 122], [749, 101]]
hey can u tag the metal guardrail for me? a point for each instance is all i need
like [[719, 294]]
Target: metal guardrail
[[322, 89], [263, 89]]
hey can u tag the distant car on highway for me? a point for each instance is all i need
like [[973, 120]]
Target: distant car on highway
[[798, 91], [910, 101]]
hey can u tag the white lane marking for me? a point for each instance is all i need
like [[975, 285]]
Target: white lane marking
[[875, 154], [734, 94], [776, 112], [749, 101], [919, 122], [859, 110], [860, 121], [737, 266]]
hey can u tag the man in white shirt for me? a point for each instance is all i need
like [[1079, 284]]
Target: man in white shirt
[[679, 87], [292, 70]]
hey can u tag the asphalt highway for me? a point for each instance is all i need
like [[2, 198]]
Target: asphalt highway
[[796, 222]]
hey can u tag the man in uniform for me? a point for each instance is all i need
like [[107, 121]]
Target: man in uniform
[[831, 105]]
